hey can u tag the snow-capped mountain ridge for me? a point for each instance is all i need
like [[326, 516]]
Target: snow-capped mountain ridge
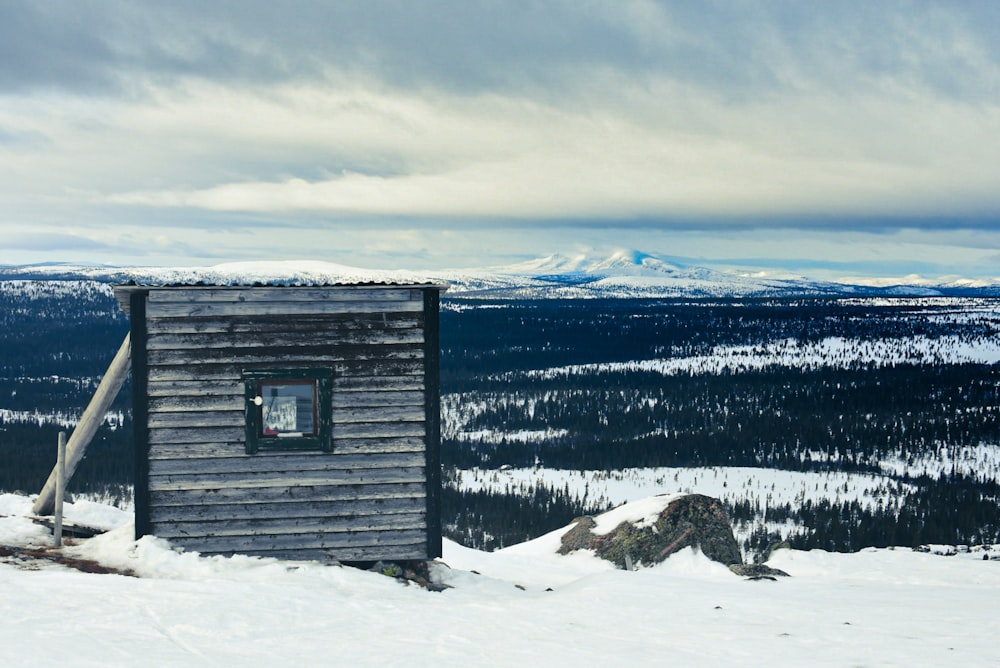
[[635, 273], [619, 263], [628, 273], [622, 274]]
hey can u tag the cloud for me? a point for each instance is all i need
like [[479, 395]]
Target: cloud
[[33, 241], [355, 151], [102, 48], [234, 124], [738, 50]]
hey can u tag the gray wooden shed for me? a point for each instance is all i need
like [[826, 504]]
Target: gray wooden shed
[[295, 422]]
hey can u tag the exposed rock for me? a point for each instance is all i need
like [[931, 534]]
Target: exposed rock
[[580, 536], [693, 520], [417, 572], [765, 556], [757, 571]]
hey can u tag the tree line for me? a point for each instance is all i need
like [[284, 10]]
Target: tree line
[[786, 418], [55, 345]]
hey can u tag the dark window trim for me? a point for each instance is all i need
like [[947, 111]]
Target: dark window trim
[[323, 440]]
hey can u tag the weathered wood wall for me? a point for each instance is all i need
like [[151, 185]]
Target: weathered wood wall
[[368, 499]]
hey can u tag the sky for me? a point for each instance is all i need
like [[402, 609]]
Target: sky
[[822, 139]]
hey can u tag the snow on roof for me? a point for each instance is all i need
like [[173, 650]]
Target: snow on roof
[[278, 273]]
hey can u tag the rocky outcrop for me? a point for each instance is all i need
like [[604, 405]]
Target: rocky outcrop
[[757, 571], [692, 520]]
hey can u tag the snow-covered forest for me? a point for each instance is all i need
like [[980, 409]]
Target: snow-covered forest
[[837, 423]]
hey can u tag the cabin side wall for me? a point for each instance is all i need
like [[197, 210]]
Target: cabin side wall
[[367, 499]]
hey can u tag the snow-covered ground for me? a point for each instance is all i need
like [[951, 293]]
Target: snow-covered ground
[[764, 487], [831, 352], [78, 289], [458, 410], [67, 420], [761, 488], [877, 607]]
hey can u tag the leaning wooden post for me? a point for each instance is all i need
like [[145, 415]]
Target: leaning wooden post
[[92, 418], [60, 488]]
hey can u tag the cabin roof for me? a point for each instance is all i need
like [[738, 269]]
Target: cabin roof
[[246, 275], [276, 274]]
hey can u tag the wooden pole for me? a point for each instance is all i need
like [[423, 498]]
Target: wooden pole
[[92, 418], [60, 488]]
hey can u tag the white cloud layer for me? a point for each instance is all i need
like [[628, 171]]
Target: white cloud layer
[[124, 128]]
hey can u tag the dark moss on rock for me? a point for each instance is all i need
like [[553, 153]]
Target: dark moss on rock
[[694, 520], [757, 571]]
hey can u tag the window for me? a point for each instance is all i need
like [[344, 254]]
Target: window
[[289, 409]]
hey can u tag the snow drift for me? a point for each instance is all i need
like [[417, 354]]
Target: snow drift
[[525, 605]]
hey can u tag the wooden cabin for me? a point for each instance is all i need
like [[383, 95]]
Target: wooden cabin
[[294, 422]]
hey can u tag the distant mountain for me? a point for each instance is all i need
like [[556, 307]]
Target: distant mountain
[[637, 274], [623, 274], [630, 263]]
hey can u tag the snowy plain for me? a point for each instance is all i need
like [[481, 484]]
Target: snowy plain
[[524, 605]]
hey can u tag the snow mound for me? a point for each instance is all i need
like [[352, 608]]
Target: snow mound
[[641, 513], [17, 528]]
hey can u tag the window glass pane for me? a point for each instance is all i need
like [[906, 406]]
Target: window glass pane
[[288, 409]]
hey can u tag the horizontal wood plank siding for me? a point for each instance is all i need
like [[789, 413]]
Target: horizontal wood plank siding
[[357, 546], [258, 339], [251, 481], [349, 322], [320, 493], [307, 295], [356, 371], [348, 506], [288, 356], [282, 308], [344, 446], [177, 418], [290, 526], [282, 461], [365, 500], [384, 552]]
